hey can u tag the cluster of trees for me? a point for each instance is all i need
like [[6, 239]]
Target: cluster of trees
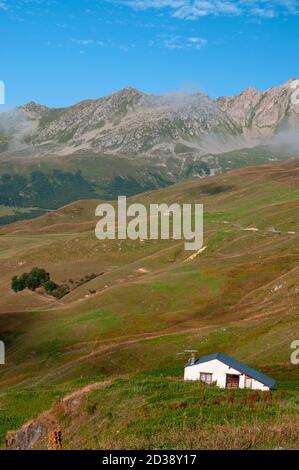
[[38, 277]]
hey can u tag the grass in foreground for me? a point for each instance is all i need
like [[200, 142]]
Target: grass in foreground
[[160, 412]]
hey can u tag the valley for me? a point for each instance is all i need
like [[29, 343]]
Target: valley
[[134, 324]]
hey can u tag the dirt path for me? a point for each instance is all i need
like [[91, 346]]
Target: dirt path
[[84, 390], [110, 347]]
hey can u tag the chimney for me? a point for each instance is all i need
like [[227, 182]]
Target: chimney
[[192, 359]]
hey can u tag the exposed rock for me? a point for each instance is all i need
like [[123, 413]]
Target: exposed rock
[[262, 114], [45, 428]]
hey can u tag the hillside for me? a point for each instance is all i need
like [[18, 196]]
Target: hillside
[[157, 410], [147, 303]]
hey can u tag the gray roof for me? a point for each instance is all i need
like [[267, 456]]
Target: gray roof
[[239, 366]]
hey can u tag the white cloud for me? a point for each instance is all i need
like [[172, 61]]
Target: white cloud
[[88, 42], [181, 42], [196, 42], [194, 9], [263, 13]]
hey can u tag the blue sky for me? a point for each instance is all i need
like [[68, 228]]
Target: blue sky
[[59, 52]]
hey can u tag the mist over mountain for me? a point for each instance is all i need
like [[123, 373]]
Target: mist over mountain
[[14, 128]]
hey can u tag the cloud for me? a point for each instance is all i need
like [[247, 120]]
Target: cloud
[[198, 43], [263, 13], [3, 6], [194, 9], [181, 42], [85, 42], [88, 42]]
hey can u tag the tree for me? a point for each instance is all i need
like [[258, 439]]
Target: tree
[[40, 275], [32, 283], [36, 278], [23, 279], [19, 283], [16, 284]]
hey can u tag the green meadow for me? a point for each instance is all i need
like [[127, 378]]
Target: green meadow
[[135, 309]]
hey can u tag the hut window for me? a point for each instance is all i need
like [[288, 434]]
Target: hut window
[[206, 377]]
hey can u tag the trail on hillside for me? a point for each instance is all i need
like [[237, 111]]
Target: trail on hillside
[[46, 426]]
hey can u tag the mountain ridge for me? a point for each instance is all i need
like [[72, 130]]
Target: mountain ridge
[[130, 142], [130, 122]]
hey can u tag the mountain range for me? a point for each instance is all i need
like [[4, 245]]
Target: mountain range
[[130, 142], [130, 122]]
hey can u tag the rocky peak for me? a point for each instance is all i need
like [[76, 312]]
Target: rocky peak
[[33, 110], [33, 106], [129, 91], [261, 114]]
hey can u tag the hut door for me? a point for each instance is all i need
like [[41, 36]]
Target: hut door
[[232, 381]]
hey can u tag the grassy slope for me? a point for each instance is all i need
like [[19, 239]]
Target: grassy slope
[[239, 296], [156, 411]]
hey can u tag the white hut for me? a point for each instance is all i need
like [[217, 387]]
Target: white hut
[[226, 372]]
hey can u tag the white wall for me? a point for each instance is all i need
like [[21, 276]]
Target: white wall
[[219, 371]]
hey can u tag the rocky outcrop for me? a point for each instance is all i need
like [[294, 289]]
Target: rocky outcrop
[[44, 431], [31, 433], [262, 114]]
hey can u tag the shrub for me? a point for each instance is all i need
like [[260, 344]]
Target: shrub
[[60, 292], [91, 408], [50, 286]]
